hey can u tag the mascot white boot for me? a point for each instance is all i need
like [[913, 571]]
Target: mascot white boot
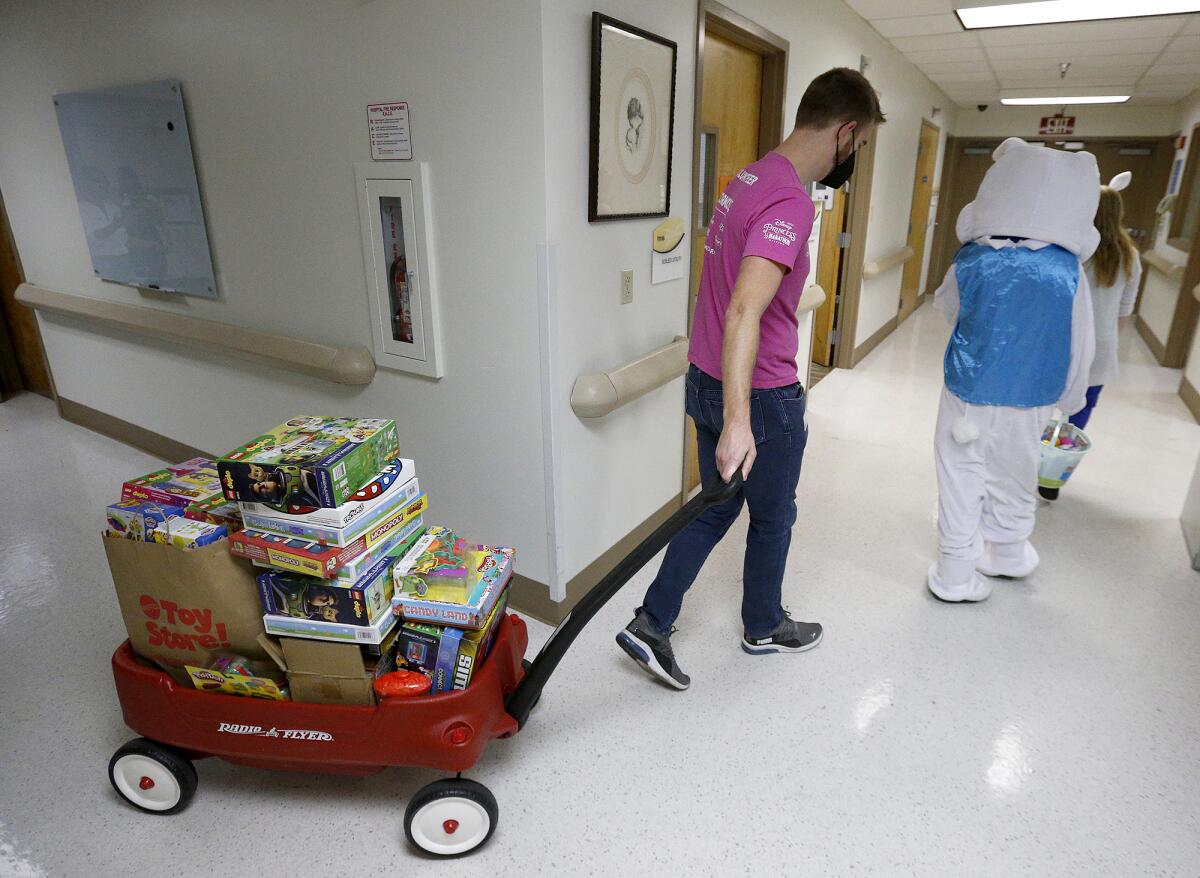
[[1023, 343]]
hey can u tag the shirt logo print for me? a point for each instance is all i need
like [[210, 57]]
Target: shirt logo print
[[747, 178], [780, 231]]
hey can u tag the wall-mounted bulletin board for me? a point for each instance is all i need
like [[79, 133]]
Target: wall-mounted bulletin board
[[131, 164]]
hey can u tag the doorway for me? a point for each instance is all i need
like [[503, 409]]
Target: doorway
[[918, 222], [22, 358], [741, 76]]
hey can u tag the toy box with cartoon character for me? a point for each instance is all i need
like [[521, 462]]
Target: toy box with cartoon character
[[318, 462], [375, 516], [288, 626], [366, 502], [193, 481], [305, 556], [135, 519], [437, 569], [186, 533], [420, 645], [303, 597], [215, 680], [216, 510], [489, 575]]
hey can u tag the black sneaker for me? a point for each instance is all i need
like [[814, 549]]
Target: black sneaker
[[1048, 493], [790, 636], [652, 651]]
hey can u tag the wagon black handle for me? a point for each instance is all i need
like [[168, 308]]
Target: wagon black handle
[[522, 699]]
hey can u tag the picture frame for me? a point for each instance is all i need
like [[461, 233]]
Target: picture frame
[[632, 122], [397, 231]]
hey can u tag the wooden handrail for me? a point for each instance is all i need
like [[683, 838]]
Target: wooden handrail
[[341, 365], [1171, 269], [602, 393], [887, 263]]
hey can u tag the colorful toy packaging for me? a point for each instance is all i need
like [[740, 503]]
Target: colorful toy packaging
[[315, 559], [438, 572], [383, 514], [185, 533], [135, 519], [287, 626], [193, 481], [309, 462], [473, 648], [235, 679], [216, 510], [489, 576], [303, 597]]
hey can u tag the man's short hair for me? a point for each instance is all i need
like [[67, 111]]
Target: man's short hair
[[839, 95]]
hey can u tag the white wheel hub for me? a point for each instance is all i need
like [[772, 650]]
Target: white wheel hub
[[449, 826], [146, 782]]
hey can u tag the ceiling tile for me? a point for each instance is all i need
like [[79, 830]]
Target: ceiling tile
[[1192, 26], [1050, 68], [1082, 31], [1184, 69], [982, 76], [1123, 85], [1075, 51], [936, 69], [1187, 43], [970, 53], [935, 42], [917, 25], [887, 8]]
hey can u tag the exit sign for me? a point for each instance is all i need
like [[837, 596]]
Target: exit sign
[[1057, 125]]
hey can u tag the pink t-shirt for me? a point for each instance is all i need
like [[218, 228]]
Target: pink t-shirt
[[764, 211]]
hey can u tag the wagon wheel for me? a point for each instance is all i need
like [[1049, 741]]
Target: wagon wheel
[[449, 818], [152, 777]]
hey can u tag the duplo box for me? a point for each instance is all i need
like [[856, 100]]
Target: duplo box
[[317, 462]]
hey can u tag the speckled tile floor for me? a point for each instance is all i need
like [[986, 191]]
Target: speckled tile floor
[[1051, 731]]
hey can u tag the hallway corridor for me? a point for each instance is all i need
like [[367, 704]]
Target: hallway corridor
[[1051, 730]]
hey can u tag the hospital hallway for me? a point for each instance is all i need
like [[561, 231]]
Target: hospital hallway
[[1048, 731]]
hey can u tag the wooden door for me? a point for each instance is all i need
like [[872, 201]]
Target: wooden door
[[919, 218], [829, 266], [731, 103], [1150, 164], [967, 160], [20, 321]]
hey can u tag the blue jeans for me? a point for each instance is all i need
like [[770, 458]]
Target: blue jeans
[[1080, 418], [780, 434]]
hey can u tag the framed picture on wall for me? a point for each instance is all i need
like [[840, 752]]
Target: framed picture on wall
[[633, 112], [397, 252]]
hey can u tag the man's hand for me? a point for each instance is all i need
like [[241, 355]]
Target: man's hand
[[736, 449]]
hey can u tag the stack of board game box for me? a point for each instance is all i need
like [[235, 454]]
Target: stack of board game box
[[452, 597], [328, 507], [180, 505]]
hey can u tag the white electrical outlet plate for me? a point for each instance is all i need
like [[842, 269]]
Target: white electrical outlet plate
[[627, 287]]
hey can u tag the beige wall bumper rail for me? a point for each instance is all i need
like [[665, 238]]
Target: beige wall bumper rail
[[887, 263], [1173, 270], [341, 365], [595, 396]]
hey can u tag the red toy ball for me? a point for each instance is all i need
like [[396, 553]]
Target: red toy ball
[[402, 684]]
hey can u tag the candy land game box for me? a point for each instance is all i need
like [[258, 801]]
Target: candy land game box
[[318, 462]]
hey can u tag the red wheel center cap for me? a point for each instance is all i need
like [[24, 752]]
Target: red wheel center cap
[[146, 783], [450, 826]]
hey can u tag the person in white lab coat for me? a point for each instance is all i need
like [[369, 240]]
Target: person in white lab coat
[[1114, 273], [1023, 342]]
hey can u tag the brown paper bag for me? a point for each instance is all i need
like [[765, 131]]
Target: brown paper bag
[[186, 606]]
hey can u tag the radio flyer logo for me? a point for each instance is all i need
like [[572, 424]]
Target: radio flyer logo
[[286, 734]]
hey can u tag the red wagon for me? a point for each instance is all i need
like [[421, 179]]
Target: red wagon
[[447, 732]]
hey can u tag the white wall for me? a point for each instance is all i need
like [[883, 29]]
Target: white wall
[[1160, 297], [276, 95], [1101, 120]]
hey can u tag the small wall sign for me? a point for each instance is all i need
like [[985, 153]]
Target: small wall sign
[[391, 137]]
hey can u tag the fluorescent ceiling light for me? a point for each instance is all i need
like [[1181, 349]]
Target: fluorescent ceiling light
[[1087, 99], [1049, 11]]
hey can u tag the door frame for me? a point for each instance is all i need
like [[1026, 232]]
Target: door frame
[[717, 18], [846, 353], [927, 239]]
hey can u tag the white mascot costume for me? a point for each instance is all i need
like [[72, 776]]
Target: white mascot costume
[[1023, 343]]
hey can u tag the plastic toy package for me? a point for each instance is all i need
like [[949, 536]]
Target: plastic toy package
[[136, 519], [315, 559], [232, 676], [381, 515], [488, 576], [309, 462]]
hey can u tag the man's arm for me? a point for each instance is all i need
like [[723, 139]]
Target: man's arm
[[757, 282]]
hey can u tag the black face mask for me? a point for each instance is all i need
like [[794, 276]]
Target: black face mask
[[841, 170]]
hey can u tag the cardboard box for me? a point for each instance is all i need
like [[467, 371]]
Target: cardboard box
[[490, 577], [186, 606], [315, 559], [135, 519], [320, 672], [473, 649], [193, 481], [305, 597], [187, 533], [376, 527], [423, 647], [319, 462], [367, 503], [287, 626]]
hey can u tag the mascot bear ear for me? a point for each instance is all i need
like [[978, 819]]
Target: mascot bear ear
[[1120, 181], [1006, 146]]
